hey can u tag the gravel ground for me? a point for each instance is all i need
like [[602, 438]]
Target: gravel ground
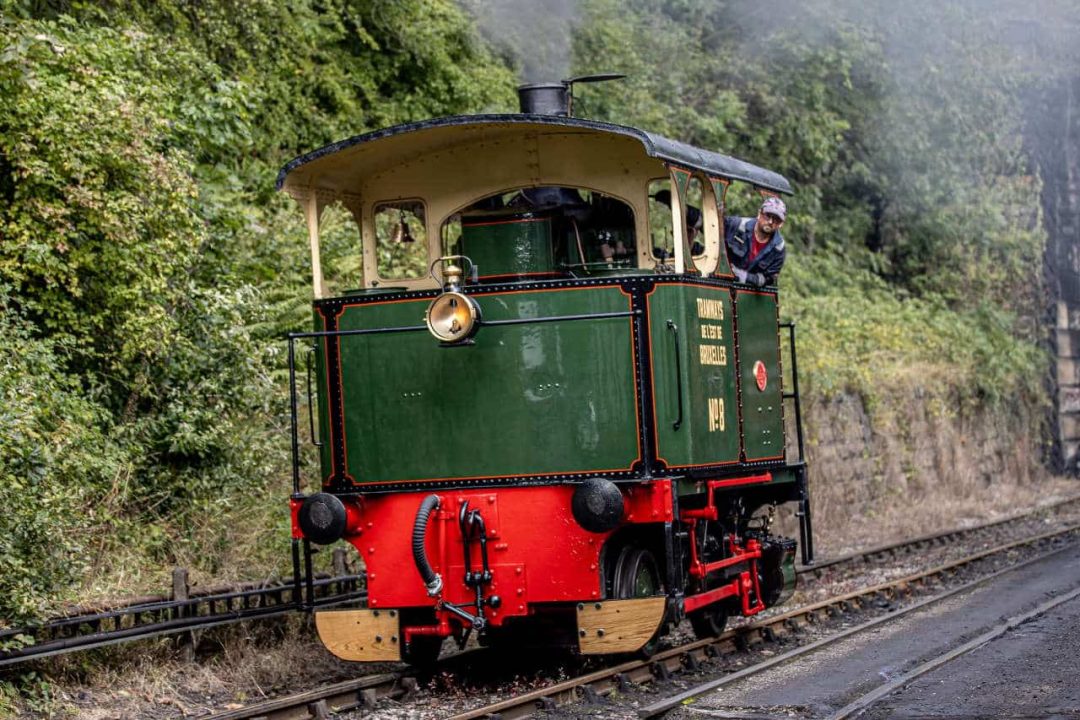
[[777, 693]]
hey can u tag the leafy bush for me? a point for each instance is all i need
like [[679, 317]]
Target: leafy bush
[[856, 334], [136, 378], [57, 466]]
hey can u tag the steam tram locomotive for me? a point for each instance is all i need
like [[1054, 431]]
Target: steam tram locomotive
[[549, 413]]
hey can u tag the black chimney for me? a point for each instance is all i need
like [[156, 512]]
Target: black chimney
[[545, 99], [556, 98]]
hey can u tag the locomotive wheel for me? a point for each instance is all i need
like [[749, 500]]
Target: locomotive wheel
[[637, 576], [709, 621]]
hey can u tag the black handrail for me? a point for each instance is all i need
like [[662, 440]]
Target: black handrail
[[483, 324], [794, 394], [678, 372], [310, 411], [806, 523], [292, 418]]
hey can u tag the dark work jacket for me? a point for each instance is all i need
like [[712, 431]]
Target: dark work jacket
[[765, 268]]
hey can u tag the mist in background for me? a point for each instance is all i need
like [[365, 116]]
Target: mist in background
[[534, 35]]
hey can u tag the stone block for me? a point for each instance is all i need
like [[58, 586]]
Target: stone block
[[1069, 427], [1069, 399]]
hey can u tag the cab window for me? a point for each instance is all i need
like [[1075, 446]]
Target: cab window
[[695, 221], [660, 219], [663, 244], [553, 228], [342, 256]]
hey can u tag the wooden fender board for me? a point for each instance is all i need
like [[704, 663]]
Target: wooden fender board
[[616, 626], [361, 635]]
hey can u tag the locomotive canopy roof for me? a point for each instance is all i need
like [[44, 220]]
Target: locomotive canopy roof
[[342, 166]]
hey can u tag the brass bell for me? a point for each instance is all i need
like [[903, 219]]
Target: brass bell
[[401, 233]]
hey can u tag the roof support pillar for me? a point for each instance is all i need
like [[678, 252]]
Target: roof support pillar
[[311, 212], [680, 181]]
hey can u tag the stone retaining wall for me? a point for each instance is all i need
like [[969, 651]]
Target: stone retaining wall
[[919, 465]]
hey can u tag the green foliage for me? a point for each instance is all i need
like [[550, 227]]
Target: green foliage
[[138, 379], [149, 269], [31, 690], [856, 334], [101, 227], [56, 454]]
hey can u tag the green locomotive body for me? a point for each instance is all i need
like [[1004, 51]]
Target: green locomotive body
[[479, 409], [576, 403]]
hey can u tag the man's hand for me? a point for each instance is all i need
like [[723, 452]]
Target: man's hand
[[740, 275]]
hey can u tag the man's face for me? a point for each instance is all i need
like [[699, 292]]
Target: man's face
[[768, 223]]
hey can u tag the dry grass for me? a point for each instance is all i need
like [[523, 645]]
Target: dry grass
[[168, 678], [839, 531], [239, 539]]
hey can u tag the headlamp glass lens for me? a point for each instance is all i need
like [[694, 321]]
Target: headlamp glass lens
[[452, 317]]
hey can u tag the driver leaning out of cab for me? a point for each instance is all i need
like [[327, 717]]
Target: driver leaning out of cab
[[755, 246]]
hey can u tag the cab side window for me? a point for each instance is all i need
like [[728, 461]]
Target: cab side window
[[401, 239], [342, 255], [663, 244], [660, 219], [695, 221]]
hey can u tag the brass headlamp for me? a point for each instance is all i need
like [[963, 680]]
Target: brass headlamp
[[452, 317]]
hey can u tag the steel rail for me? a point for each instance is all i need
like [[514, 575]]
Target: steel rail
[[362, 692], [343, 695], [152, 619], [928, 540], [321, 702]]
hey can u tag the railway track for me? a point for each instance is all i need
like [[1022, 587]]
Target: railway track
[[366, 692], [671, 702], [914, 546], [692, 655], [143, 620], [125, 622]]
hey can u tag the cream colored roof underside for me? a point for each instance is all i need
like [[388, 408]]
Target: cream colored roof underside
[[451, 167]]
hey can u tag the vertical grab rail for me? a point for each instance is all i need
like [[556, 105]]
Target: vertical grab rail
[[806, 526], [678, 372], [794, 394], [306, 581], [311, 410], [292, 415], [297, 597], [296, 593]]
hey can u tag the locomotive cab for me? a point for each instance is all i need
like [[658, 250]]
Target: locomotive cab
[[549, 412], [545, 232]]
